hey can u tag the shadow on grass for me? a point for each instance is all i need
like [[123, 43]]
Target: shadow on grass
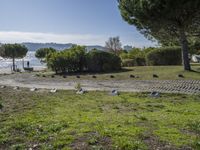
[[196, 71], [94, 73]]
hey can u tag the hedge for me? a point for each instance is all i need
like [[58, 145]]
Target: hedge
[[70, 60], [101, 61], [164, 56], [138, 61], [77, 60]]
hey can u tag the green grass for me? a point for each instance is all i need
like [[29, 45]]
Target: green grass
[[144, 73], [97, 120]]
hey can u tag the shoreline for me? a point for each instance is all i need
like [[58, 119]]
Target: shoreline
[[8, 70]]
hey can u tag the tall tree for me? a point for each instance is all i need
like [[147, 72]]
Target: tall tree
[[13, 51], [164, 20], [43, 53], [114, 45]]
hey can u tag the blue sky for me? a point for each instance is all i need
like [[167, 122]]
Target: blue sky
[[86, 22]]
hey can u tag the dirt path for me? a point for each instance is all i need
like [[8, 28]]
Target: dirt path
[[165, 86]]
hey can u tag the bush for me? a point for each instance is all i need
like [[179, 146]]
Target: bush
[[76, 59], [164, 56], [137, 61], [42, 53], [127, 62], [70, 60], [100, 61], [135, 57]]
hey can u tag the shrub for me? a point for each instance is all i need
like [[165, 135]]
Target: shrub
[[135, 57], [76, 59], [100, 61], [164, 56], [137, 61], [70, 60], [124, 55], [136, 52], [43, 53], [127, 62]]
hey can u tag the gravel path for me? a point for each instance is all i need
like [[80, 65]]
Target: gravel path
[[164, 86]]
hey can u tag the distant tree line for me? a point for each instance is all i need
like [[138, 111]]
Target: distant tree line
[[77, 59]]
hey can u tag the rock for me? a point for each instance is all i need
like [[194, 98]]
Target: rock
[[155, 76], [16, 88], [137, 77], [35, 145], [3, 87], [180, 76], [53, 90], [33, 89], [114, 93], [112, 76], [94, 77], [81, 91], [155, 94], [132, 76], [1, 107]]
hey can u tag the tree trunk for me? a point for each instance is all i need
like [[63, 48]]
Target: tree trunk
[[23, 63], [13, 59], [185, 50]]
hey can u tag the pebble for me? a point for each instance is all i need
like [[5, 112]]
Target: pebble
[[33, 89], [53, 90]]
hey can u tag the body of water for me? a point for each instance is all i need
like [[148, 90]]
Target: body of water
[[33, 62]]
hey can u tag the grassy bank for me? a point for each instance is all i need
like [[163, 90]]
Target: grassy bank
[[139, 73], [97, 120]]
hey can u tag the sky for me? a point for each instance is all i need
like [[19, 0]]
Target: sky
[[84, 22]]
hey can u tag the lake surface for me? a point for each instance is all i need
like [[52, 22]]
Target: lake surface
[[33, 61]]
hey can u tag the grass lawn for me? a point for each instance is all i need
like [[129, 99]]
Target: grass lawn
[[143, 72], [96, 120]]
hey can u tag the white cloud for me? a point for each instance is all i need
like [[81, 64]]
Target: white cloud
[[82, 39]]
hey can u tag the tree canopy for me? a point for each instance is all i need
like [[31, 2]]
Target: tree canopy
[[13, 51], [114, 45], [68, 60], [77, 59], [43, 52], [165, 21]]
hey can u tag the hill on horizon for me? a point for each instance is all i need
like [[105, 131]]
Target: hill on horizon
[[57, 46]]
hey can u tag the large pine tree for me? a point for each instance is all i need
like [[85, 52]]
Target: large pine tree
[[13, 51], [164, 20]]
